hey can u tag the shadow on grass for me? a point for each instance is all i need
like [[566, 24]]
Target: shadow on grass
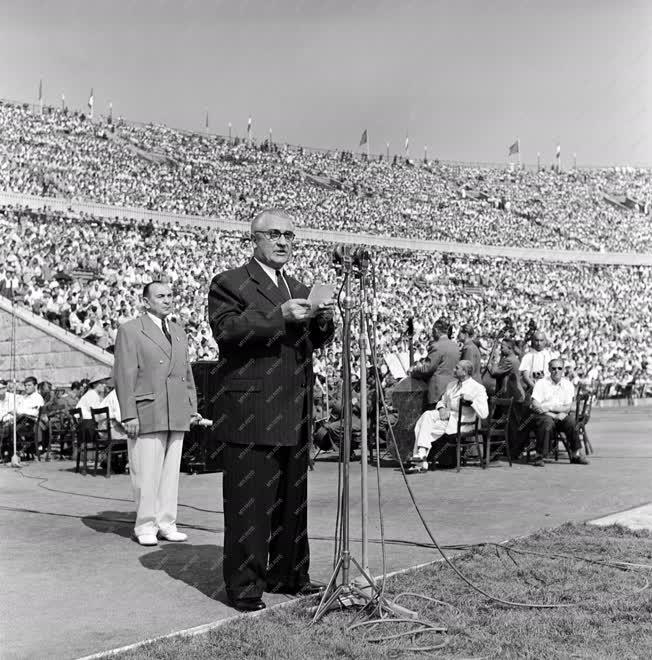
[[199, 566]]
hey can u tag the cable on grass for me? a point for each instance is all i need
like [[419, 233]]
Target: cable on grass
[[457, 571]]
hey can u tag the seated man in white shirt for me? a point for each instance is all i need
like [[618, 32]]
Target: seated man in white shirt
[[433, 425], [6, 412], [30, 402], [552, 400]]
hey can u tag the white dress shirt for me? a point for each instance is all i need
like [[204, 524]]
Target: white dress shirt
[[90, 400], [470, 390], [110, 401], [158, 322], [7, 407], [271, 273], [553, 396], [29, 404], [537, 361]]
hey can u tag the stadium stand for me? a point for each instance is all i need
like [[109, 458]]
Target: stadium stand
[[63, 154], [86, 275]]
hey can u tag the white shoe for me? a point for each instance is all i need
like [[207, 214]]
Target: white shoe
[[147, 539], [173, 535]]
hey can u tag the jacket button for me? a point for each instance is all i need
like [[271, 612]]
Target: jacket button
[[160, 361], [183, 378]]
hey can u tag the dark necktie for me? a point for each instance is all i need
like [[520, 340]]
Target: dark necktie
[[282, 286], [166, 332]]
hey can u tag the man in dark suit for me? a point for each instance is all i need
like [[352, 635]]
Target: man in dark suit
[[266, 330], [438, 367], [470, 350]]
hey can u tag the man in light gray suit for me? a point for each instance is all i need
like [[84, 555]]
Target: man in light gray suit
[[156, 393]]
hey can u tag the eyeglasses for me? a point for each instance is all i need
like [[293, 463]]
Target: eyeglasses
[[275, 234], [556, 368]]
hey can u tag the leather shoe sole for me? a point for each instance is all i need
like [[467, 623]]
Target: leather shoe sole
[[252, 605]]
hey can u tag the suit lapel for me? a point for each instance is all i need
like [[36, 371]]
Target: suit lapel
[[156, 335], [264, 284], [178, 348]]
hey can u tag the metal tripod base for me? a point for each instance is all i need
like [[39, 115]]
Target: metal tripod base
[[353, 595]]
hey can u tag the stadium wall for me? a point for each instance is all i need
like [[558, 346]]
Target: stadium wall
[[532, 254], [46, 351]]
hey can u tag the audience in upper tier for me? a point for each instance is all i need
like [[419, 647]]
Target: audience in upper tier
[[64, 154], [87, 274]]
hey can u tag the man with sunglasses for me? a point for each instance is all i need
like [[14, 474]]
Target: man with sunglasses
[[552, 399], [266, 330]]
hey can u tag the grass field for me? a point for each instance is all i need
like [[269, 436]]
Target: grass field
[[609, 613]]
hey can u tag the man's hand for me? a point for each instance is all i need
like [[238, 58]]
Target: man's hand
[[444, 414], [537, 407], [132, 427], [297, 309], [324, 312]]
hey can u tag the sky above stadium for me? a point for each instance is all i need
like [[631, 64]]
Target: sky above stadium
[[463, 78]]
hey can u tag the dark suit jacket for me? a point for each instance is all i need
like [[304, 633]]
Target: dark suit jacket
[[438, 367], [471, 352], [264, 393], [508, 377]]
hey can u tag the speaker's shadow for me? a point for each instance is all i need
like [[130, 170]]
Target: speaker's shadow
[[199, 566]]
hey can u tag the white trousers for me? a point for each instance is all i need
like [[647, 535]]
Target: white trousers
[[428, 429], [154, 462]]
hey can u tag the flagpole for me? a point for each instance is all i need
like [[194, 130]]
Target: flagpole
[[538, 161], [230, 127], [387, 146], [518, 147], [425, 154], [574, 161]]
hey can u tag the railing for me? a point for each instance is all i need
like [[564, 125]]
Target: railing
[[532, 254]]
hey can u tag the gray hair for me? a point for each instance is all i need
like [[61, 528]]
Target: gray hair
[[467, 365]]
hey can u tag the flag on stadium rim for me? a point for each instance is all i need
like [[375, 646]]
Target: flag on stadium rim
[[558, 154], [91, 100], [407, 145], [515, 148], [249, 129], [363, 138], [40, 94]]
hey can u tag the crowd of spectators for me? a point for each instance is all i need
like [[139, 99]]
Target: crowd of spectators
[[87, 274], [63, 153]]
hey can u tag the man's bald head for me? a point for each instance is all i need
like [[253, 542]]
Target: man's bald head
[[538, 341], [272, 232]]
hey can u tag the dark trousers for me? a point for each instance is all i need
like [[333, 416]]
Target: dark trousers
[[545, 427], [265, 519]]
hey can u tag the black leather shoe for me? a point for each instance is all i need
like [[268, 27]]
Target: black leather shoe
[[579, 460], [248, 605]]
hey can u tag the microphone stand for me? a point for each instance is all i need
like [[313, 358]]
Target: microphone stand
[[15, 459], [348, 593]]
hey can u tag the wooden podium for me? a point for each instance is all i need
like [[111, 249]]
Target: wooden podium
[[409, 397]]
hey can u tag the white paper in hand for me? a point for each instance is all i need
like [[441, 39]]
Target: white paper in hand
[[320, 293]]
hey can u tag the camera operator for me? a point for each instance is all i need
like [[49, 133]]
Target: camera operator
[[534, 364]]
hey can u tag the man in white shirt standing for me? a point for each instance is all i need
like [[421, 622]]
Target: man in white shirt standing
[[534, 364], [434, 424], [552, 400]]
